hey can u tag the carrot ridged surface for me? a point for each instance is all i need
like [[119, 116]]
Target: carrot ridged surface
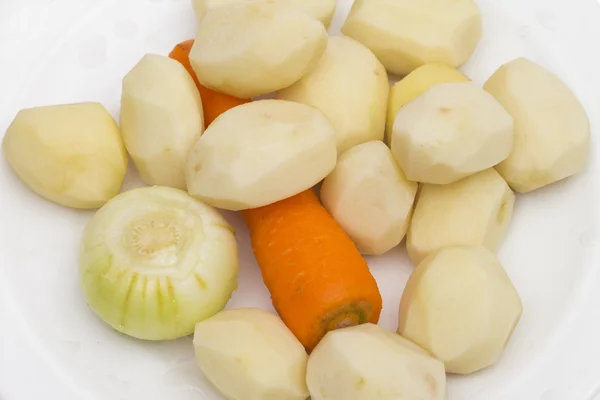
[[317, 278], [213, 103]]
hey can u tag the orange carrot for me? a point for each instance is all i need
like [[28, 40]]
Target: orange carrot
[[317, 278], [213, 103]]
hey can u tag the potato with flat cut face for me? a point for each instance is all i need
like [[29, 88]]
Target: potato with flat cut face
[[369, 196], [250, 354], [552, 130], [451, 131], [255, 47], [460, 305], [476, 210], [161, 119], [260, 153], [322, 10], [415, 84], [350, 86], [368, 362], [71, 154], [405, 34]]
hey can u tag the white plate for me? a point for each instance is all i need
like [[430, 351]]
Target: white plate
[[53, 347]]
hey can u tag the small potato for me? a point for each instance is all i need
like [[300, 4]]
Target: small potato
[[260, 153], [405, 34], [476, 210], [161, 119], [368, 362], [255, 47], [369, 196], [415, 84], [322, 10], [350, 86], [249, 354], [71, 154], [451, 131], [552, 130], [460, 305]]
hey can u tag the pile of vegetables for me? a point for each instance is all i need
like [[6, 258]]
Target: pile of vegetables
[[435, 159]]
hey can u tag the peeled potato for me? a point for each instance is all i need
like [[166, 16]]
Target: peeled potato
[[350, 86], [260, 153], [405, 34], [71, 154], [460, 305], [476, 210], [369, 196], [415, 84], [201, 6], [161, 119], [249, 354], [451, 131], [255, 47], [368, 362], [322, 10], [552, 130]]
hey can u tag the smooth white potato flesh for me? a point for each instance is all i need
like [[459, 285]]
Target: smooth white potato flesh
[[368, 362], [415, 84], [249, 354], [460, 305], [405, 34], [161, 119], [476, 210], [71, 154], [260, 153], [552, 130], [451, 131], [350, 86], [322, 10], [255, 47], [369, 196], [201, 8]]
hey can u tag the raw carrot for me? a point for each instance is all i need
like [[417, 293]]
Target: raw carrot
[[213, 103], [317, 278]]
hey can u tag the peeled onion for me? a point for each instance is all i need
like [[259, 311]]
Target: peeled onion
[[154, 262]]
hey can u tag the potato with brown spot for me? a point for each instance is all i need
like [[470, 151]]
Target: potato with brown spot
[[451, 131]]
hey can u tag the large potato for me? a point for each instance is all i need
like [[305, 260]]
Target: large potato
[[322, 10], [260, 153], [476, 210], [460, 305], [255, 47], [161, 119], [451, 131], [552, 130], [369, 196], [405, 34], [71, 154], [368, 362], [415, 84], [249, 354], [350, 86]]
